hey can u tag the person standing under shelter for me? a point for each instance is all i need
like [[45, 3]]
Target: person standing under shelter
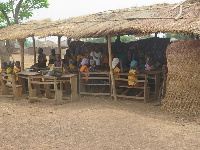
[[41, 59], [96, 55], [52, 57]]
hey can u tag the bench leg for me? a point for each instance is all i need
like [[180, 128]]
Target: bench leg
[[32, 93], [17, 92], [58, 97], [47, 91], [5, 89], [74, 94]]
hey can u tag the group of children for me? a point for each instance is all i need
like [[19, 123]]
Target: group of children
[[12, 68]]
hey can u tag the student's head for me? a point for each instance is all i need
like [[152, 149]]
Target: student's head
[[51, 61], [84, 61], [92, 63], [40, 51], [17, 64], [68, 52], [71, 61], [11, 64], [133, 64], [115, 62], [165, 69], [96, 47], [4, 65], [58, 57], [53, 51], [81, 51]]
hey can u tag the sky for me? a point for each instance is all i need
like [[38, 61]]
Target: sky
[[62, 9]]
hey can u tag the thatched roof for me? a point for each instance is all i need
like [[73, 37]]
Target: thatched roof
[[173, 18]]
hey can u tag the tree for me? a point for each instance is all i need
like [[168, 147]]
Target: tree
[[15, 11]]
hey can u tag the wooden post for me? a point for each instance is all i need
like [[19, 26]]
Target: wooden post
[[111, 70], [21, 44], [34, 50], [59, 45], [68, 42]]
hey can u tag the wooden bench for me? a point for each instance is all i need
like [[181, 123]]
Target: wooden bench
[[95, 79], [34, 86], [143, 79], [8, 82], [35, 83]]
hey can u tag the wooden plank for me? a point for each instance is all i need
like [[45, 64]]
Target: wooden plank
[[95, 84], [97, 73], [87, 93], [146, 91], [133, 97], [43, 83], [129, 74], [122, 79], [97, 78]]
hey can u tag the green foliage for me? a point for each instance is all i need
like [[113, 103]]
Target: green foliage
[[177, 36], [8, 10], [124, 38]]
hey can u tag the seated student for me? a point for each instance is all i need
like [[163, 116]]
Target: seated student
[[72, 64], [17, 69], [4, 67], [134, 71], [58, 62], [163, 87], [81, 56], [105, 62], [10, 69], [149, 66], [52, 57], [67, 56], [96, 55], [84, 67], [123, 57], [41, 59], [115, 68], [51, 65], [141, 65]]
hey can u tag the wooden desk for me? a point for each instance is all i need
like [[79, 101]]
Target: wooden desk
[[23, 77], [50, 80]]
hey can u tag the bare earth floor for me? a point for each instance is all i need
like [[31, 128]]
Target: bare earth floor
[[94, 123]]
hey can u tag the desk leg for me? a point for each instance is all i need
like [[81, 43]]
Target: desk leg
[[22, 82], [47, 91], [157, 84], [58, 95], [74, 94]]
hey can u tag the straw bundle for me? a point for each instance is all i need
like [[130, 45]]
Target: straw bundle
[[183, 82]]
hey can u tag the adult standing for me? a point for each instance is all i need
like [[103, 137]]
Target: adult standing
[[96, 56]]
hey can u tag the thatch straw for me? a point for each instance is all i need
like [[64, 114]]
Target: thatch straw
[[136, 20], [183, 82]]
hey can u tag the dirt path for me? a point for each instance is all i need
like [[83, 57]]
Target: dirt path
[[94, 123]]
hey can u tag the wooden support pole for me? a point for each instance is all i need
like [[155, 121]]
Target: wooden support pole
[[34, 50], [111, 70], [59, 45], [21, 44], [68, 42]]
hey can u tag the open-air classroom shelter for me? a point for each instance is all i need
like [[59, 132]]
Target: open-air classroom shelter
[[182, 18]]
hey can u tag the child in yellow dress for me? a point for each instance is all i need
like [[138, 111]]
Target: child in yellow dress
[[16, 70]]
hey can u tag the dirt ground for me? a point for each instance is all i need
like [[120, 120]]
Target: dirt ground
[[94, 123]]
